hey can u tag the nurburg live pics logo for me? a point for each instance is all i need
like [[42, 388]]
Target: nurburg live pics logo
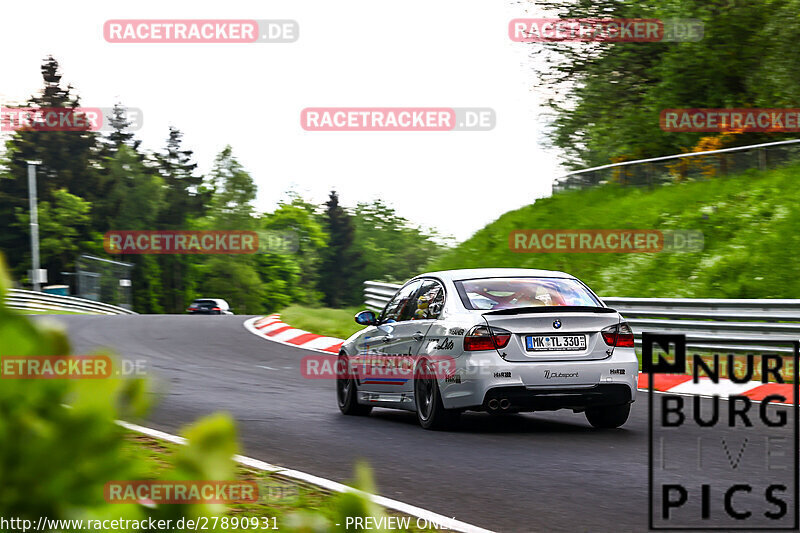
[[722, 461]]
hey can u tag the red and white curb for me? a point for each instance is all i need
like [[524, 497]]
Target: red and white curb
[[272, 328], [683, 384], [423, 516]]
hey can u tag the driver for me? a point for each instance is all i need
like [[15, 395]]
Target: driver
[[428, 305]]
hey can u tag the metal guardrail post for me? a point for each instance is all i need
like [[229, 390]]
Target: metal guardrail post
[[34, 222]]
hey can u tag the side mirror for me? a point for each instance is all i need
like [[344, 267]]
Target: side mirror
[[366, 318]]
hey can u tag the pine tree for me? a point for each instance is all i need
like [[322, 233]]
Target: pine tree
[[106, 209], [340, 275], [185, 201], [119, 125]]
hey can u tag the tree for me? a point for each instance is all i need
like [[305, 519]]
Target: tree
[[235, 280], [393, 249], [136, 200], [138, 196], [105, 208], [69, 163], [232, 192], [299, 218], [185, 196], [280, 280], [341, 274], [62, 222], [119, 135], [608, 96], [185, 201], [234, 277]]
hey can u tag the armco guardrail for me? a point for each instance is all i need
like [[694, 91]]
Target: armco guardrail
[[38, 301], [716, 324], [378, 294], [719, 325]]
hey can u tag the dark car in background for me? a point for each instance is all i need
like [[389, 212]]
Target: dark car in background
[[209, 306]]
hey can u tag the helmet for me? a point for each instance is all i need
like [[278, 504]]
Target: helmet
[[423, 302]]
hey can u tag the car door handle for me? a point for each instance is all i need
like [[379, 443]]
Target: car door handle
[[418, 336]]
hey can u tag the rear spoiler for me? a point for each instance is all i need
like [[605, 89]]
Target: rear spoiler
[[557, 309]]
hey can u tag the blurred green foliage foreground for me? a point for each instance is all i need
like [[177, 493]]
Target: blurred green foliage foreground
[[59, 444]]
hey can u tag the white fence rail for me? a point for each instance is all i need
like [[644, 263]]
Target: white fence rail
[[692, 165], [38, 301], [709, 324]]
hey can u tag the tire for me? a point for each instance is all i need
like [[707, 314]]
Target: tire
[[431, 413], [346, 394], [608, 417]]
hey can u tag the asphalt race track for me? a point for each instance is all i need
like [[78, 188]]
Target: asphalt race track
[[533, 472]]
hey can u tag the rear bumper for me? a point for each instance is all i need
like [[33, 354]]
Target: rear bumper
[[541, 385], [524, 399]]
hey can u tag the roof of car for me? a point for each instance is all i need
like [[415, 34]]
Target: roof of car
[[473, 273]]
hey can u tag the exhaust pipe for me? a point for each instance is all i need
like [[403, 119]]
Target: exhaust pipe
[[494, 404], [505, 403]]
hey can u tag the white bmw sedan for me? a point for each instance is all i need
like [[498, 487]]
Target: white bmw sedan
[[496, 340]]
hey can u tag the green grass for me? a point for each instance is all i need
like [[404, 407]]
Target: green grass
[[751, 225], [282, 496], [337, 323]]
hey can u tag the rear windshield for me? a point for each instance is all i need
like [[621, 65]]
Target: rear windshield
[[204, 304], [509, 293]]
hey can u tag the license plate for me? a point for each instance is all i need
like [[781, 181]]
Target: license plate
[[555, 343]]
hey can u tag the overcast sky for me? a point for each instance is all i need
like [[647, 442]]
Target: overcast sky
[[448, 53]]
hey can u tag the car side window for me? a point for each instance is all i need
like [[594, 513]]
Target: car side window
[[429, 301], [398, 308]]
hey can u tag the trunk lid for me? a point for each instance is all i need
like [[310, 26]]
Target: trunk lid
[[542, 334]]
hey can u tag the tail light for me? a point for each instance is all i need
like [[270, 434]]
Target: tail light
[[618, 335], [486, 338], [216, 309]]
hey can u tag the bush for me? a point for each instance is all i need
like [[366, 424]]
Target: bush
[[60, 445]]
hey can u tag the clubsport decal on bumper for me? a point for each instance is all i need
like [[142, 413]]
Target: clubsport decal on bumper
[[485, 375]]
